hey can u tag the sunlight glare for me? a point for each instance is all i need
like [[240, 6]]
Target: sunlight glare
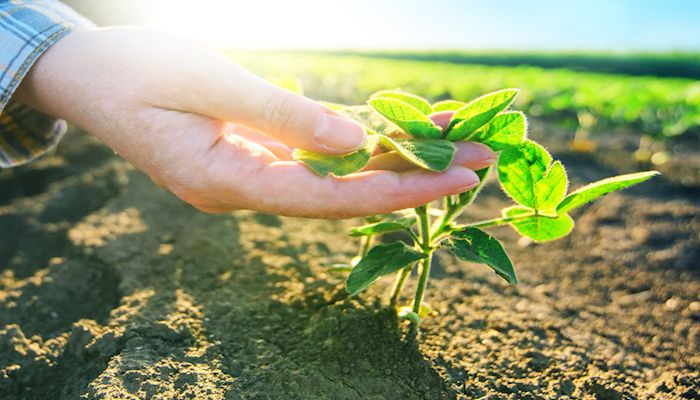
[[262, 24]]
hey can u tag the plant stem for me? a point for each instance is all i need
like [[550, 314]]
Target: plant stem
[[365, 244], [422, 282], [453, 207], [403, 274], [398, 284], [426, 246], [447, 203], [422, 213], [413, 236], [463, 200]]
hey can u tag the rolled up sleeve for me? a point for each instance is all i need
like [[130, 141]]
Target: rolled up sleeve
[[27, 30]]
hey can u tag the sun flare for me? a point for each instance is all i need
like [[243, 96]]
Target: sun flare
[[263, 24]]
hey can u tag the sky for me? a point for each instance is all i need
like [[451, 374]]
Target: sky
[[612, 25]]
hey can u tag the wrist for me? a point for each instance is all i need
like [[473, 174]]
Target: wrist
[[45, 87]]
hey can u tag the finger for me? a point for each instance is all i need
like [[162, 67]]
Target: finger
[[280, 150], [301, 193], [474, 156], [226, 91], [289, 188]]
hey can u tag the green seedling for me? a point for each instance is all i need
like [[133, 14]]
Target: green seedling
[[400, 122]]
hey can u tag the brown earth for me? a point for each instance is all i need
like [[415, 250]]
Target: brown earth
[[112, 288]]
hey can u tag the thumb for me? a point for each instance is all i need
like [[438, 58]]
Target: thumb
[[231, 93]]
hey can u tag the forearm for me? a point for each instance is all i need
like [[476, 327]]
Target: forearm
[[48, 87]]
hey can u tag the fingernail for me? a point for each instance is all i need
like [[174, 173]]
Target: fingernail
[[339, 134], [481, 164], [474, 155], [469, 180]]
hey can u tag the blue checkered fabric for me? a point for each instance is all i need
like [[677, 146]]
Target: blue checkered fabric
[[27, 29]]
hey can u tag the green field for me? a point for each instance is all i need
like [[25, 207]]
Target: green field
[[672, 64], [654, 106]]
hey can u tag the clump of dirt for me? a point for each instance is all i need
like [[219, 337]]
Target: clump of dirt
[[112, 288]]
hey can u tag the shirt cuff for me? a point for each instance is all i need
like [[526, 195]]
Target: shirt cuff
[[27, 30]]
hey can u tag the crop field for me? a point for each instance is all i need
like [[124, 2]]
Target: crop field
[[669, 65], [657, 107], [117, 289]]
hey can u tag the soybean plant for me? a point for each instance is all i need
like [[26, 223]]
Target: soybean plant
[[398, 122]]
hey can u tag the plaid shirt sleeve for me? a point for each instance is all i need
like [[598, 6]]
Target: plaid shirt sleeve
[[27, 29]]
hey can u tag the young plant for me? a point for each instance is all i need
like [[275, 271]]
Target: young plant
[[399, 122]]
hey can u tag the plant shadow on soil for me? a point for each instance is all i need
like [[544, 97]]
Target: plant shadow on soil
[[113, 288]]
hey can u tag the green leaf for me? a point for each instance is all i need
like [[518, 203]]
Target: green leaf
[[475, 245], [431, 154], [600, 188], [324, 164], [478, 113], [338, 165], [527, 175], [418, 102], [506, 130], [381, 260], [550, 191], [448, 105], [406, 312], [520, 168], [370, 219], [384, 226], [425, 310], [540, 228], [369, 118], [340, 268], [406, 117]]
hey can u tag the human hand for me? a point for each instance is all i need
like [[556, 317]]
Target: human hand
[[219, 137]]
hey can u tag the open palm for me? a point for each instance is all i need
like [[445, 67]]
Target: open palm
[[218, 136]]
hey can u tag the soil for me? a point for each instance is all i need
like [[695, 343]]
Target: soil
[[111, 288]]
